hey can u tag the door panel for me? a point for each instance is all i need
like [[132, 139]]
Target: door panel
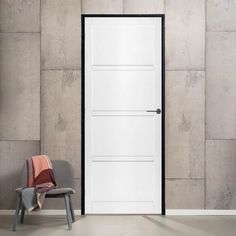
[[116, 90], [122, 140], [120, 39], [124, 135], [124, 183]]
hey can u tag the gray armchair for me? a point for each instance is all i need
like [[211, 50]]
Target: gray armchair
[[64, 177]]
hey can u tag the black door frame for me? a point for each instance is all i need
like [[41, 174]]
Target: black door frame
[[83, 16]]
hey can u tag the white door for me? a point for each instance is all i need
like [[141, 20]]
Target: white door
[[122, 140]]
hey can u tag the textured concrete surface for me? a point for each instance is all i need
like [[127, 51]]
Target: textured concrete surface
[[60, 37], [185, 34], [60, 123], [12, 157], [102, 6], [122, 225], [185, 193], [221, 85], [19, 15], [19, 86], [220, 15], [185, 119], [147, 6], [60, 116], [221, 174]]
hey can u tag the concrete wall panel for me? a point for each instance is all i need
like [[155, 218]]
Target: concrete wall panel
[[60, 37], [60, 116], [19, 86], [185, 124]]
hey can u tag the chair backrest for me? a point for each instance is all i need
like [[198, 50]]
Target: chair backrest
[[63, 172]]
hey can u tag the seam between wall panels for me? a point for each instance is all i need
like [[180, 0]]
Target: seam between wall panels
[[184, 178], [60, 69], [185, 70], [220, 31], [81, 12], [40, 29], [205, 118], [20, 32], [221, 139], [20, 140], [164, 7]]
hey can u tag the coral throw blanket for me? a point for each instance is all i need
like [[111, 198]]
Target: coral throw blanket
[[40, 180]]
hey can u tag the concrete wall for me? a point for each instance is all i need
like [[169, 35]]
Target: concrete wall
[[40, 92]]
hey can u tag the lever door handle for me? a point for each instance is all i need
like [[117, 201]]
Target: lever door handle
[[158, 111]]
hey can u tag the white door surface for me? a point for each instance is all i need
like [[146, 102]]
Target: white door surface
[[123, 71]]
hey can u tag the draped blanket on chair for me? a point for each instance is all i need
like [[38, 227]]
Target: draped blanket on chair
[[40, 180]]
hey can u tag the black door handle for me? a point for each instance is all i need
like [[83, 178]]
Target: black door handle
[[158, 111]]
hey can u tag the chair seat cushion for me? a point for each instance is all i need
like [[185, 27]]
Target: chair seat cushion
[[55, 191]]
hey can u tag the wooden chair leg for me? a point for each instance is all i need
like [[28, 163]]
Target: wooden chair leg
[[72, 209], [68, 212], [18, 205], [22, 214]]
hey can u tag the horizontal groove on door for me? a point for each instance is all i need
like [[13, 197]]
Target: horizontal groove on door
[[119, 110], [122, 67], [122, 201], [122, 113], [123, 158]]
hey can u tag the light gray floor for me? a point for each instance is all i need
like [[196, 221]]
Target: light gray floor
[[119, 225]]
